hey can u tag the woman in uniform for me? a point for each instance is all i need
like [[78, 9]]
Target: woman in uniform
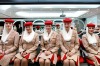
[[69, 44], [27, 46], [49, 45], [38, 30], [8, 43], [91, 43], [57, 28]]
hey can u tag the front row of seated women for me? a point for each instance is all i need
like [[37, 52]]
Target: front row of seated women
[[51, 41]]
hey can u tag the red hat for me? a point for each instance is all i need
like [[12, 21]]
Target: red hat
[[90, 25], [9, 20], [67, 20], [48, 22], [38, 27], [57, 25], [28, 24]]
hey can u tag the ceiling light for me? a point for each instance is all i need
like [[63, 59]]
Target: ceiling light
[[5, 7], [26, 14], [49, 14], [47, 7], [57, 6]]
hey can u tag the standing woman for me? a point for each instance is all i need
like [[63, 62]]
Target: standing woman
[[49, 45], [27, 46], [9, 43], [91, 43], [69, 44]]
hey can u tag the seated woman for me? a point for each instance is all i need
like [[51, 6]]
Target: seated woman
[[91, 43], [69, 44], [27, 46], [49, 45], [8, 43]]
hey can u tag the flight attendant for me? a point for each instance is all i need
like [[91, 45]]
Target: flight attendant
[[49, 45], [8, 43], [38, 30], [57, 28], [27, 46], [91, 43], [69, 44]]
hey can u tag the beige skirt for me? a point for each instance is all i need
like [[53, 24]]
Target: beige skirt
[[5, 60], [75, 57], [30, 56], [96, 61], [52, 57]]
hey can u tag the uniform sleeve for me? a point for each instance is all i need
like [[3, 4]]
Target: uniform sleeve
[[99, 47], [57, 44], [42, 44], [75, 49], [35, 45], [0, 46], [16, 40], [62, 45], [21, 45], [85, 44], [98, 43]]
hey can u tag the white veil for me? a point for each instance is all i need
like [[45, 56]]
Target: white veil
[[67, 35], [45, 34], [5, 34], [91, 38], [28, 37]]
